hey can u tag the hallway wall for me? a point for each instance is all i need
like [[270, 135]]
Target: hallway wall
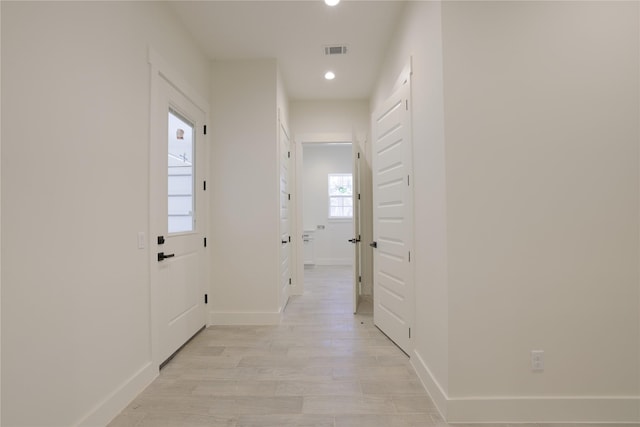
[[528, 165], [245, 208], [75, 193], [542, 147]]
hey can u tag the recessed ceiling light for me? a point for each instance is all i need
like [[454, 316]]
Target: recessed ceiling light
[[331, 2], [329, 75]]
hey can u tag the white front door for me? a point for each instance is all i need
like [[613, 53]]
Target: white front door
[[178, 218], [285, 218], [392, 218]]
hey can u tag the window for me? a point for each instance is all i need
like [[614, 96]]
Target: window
[[340, 195], [181, 184]]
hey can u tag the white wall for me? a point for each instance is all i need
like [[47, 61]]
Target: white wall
[[526, 206], [338, 116], [245, 193], [75, 182], [542, 167], [331, 246]]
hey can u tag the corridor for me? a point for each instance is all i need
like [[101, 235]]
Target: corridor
[[322, 366]]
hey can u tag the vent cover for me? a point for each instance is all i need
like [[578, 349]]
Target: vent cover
[[335, 50]]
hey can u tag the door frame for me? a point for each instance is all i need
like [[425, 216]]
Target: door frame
[[298, 230], [357, 222], [161, 71]]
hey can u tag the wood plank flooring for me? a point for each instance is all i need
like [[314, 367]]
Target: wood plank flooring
[[322, 367]]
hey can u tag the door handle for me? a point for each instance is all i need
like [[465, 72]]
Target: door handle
[[284, 242], [162, 256], [373, 244], [354, 240]]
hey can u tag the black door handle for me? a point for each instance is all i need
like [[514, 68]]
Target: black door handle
[[373, 244], [162, 256], [354, 240], [284, 242]]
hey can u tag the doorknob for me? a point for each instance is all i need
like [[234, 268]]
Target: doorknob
[[162, 256], [373, 244]]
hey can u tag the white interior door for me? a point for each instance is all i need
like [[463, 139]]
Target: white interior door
[[178, 218], [357, 260], [392, 218], [285, 217]]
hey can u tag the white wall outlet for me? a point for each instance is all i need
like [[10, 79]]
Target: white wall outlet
[[537, 360], [141, 240]]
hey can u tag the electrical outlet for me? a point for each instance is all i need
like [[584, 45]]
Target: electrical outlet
[[537, 360]]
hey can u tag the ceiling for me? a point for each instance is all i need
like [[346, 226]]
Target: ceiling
[[295, 33]]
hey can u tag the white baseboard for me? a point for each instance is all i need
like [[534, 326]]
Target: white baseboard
[[235, 318], [527, 409], [104, 412], [430, 383], [561, 409], [334, 261]]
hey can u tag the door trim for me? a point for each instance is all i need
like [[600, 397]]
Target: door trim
[[160, 70]]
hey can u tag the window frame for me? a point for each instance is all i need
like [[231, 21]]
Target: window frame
[[339, 196]]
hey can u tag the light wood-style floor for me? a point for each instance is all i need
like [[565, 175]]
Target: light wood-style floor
[[322, 366]]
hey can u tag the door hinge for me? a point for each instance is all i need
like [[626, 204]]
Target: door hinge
[[205, 242], [205, 129], [206, 299], [289, 239], [406, 103], [288, 154], [289, 196], [409, 256], [408, 180], [359, 278], [409, 333], [358, 155], [204, 185], [358, 196], [289, 280]]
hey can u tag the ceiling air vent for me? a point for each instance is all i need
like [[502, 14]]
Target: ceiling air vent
[[335, 50]]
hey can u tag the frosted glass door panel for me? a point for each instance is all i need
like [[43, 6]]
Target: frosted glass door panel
[[180, 174]]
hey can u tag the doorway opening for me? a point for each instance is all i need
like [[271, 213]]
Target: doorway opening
[[330, 216]]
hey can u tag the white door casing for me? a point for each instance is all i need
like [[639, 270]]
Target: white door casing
[[393, 217], [286, 242], [178, 281], [357, 244]]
